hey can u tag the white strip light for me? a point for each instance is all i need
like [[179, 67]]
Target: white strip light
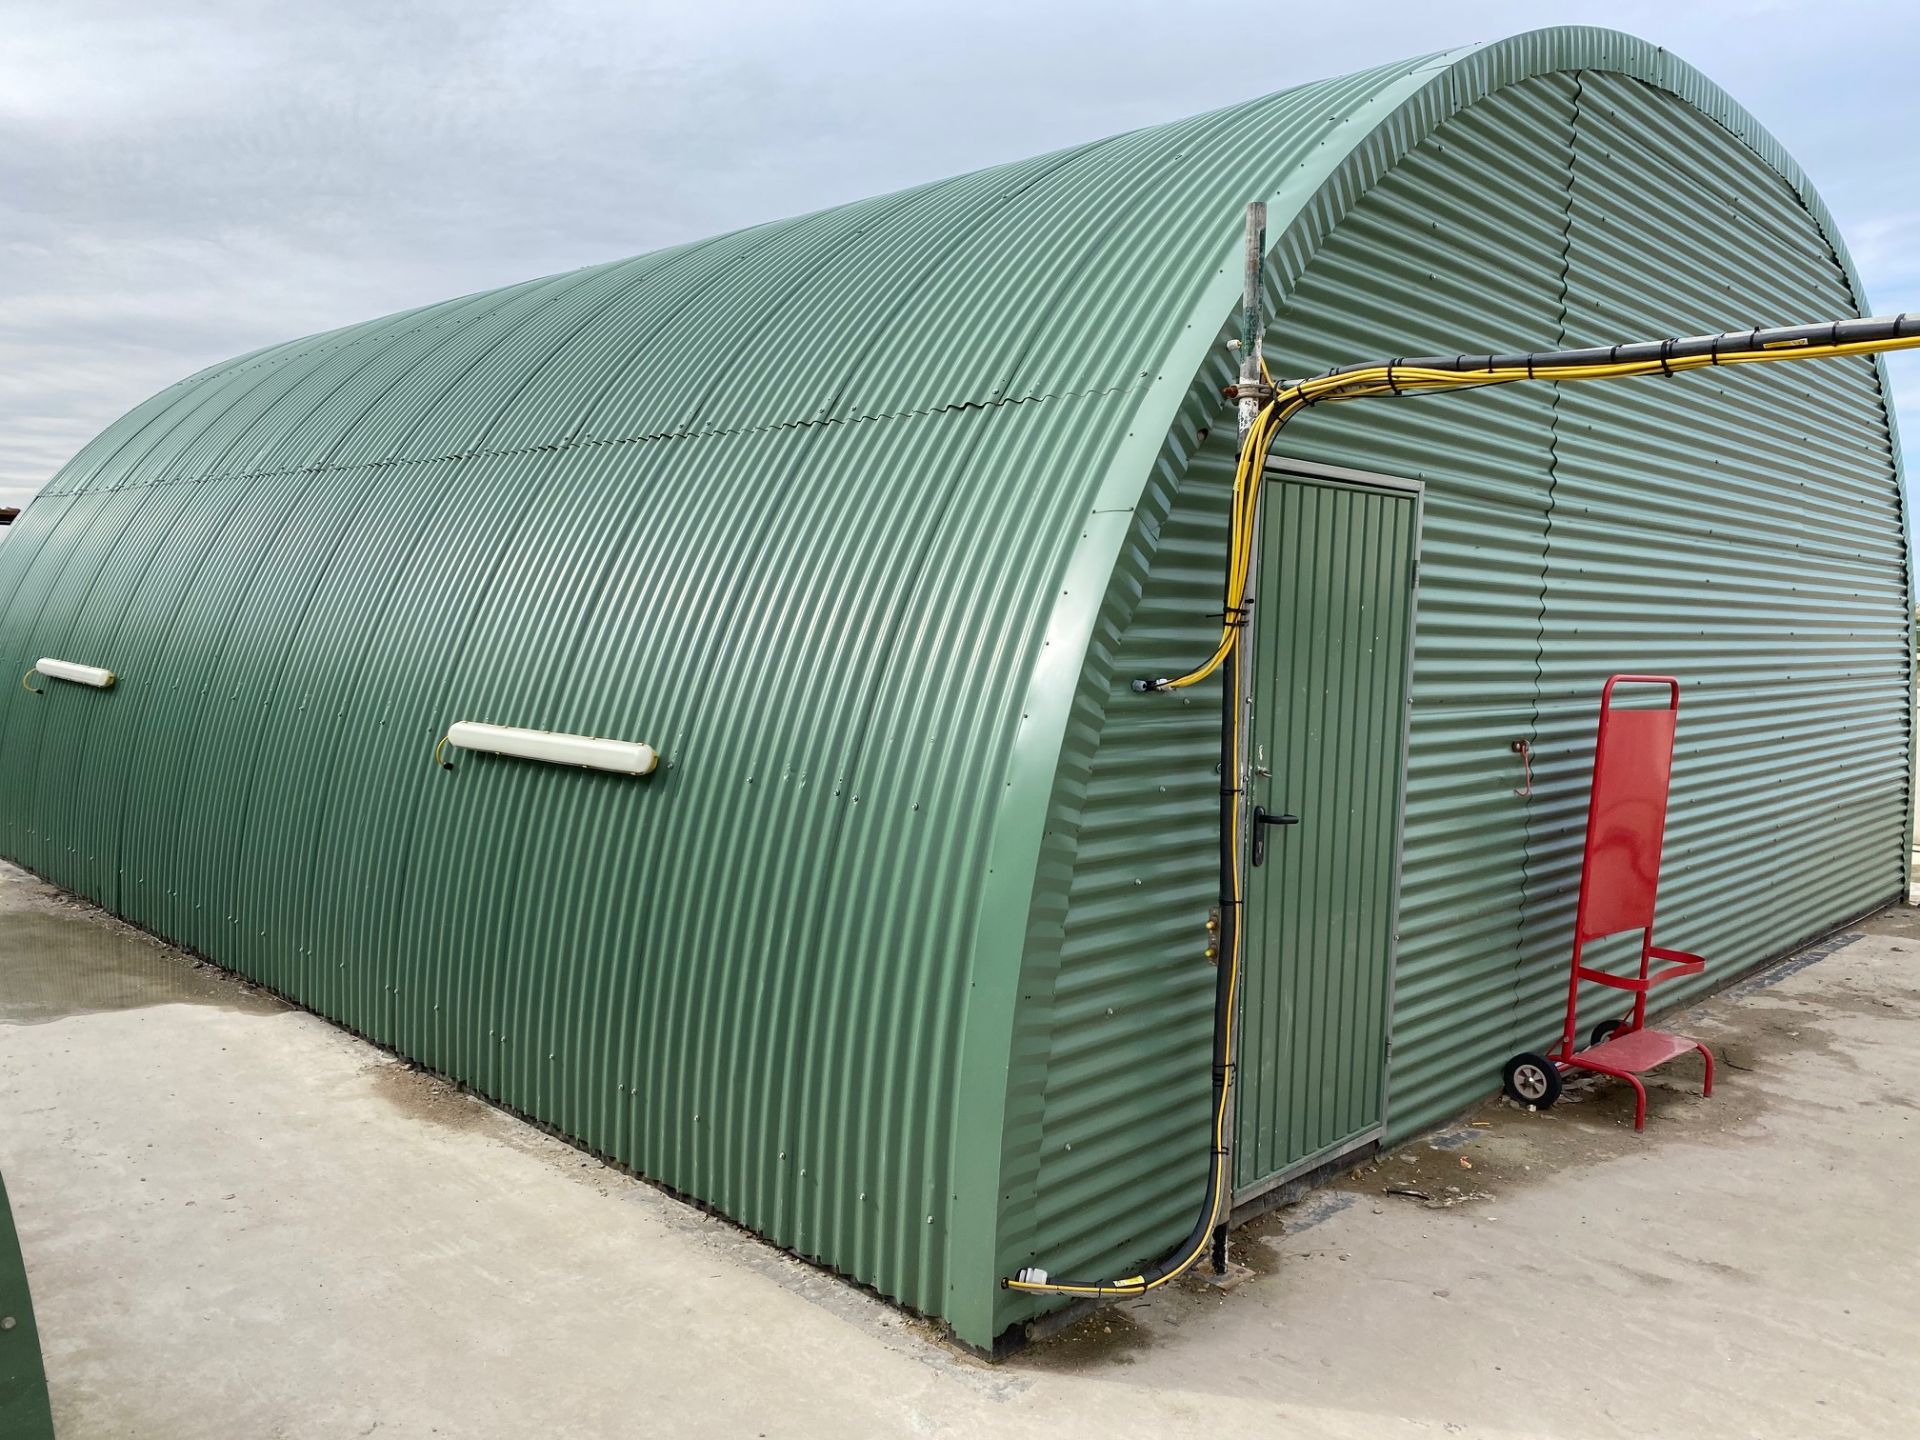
[[625, 757], [79, 674]]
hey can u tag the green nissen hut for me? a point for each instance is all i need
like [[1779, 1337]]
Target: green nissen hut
[[898, 955]]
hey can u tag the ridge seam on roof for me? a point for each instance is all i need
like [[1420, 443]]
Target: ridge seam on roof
[[589, 442]]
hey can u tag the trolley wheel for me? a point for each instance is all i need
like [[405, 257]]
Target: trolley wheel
[[1604, 1031], [1532, 1079]]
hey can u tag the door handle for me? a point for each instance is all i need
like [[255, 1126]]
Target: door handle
[[1262, 818]]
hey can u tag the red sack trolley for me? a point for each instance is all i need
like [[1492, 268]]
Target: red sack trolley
[[1619, 877]]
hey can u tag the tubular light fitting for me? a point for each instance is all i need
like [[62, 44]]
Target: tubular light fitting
[[623, 757], [79, 674]]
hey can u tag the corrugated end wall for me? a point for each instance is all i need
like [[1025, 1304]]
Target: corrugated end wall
[[1741, 529]]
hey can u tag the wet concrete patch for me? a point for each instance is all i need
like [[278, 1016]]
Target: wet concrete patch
[[1434, 1176], [1110, 1336], [421, 1095], [1256, 1244], [60, 957]]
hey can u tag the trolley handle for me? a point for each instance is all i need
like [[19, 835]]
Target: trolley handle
[[1673, 686]]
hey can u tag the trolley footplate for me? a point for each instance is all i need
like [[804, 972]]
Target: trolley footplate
[[1631, 1053]]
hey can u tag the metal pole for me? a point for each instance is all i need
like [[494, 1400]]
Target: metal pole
[[1252, 331], [1236, 701]]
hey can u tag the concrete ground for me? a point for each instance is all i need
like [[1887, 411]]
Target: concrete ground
[[242, 1222]]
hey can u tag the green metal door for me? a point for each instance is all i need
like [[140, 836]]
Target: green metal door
[[1333, 621]]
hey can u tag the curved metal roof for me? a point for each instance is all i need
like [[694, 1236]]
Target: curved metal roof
[[849, 587]]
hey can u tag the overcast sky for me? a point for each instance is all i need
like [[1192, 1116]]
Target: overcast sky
[[184, 180]]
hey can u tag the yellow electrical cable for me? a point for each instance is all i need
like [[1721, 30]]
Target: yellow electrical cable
[[1243, 510]]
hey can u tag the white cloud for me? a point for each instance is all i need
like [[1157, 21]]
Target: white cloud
[[186, 182]]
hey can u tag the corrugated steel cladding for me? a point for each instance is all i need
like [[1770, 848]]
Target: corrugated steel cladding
[[916, 905]]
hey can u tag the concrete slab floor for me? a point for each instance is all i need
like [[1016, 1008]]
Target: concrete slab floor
[[240, 1221]]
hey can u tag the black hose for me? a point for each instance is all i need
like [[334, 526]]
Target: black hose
[[1727, 343], [1216, 1214]]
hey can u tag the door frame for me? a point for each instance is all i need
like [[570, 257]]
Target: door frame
[[1279, 469]]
